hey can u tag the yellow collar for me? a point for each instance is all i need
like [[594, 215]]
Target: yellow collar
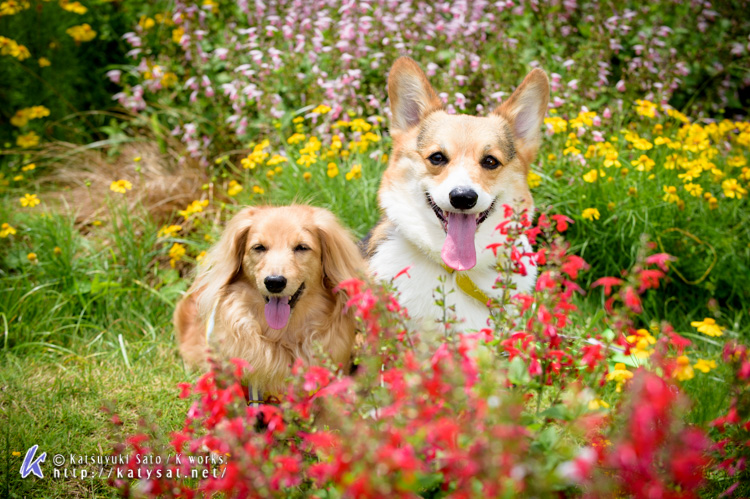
[[466, 285]]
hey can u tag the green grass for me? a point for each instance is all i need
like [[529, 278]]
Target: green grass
[[57, 404]]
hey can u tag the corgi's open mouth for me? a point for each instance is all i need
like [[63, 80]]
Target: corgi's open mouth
[[442, 215], [458, 251], [279, 308]]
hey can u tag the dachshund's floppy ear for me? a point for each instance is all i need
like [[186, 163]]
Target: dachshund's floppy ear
[[224, 261], [339, 253]]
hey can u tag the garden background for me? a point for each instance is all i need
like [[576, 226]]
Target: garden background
[[132, 130]]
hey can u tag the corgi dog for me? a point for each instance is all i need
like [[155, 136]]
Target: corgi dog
[[442, 195]]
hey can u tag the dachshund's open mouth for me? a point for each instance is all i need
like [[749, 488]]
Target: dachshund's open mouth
[[279, 308], [459, 251]]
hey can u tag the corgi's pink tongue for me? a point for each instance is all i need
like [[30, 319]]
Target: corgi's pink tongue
[[458, 249], [277, 312]]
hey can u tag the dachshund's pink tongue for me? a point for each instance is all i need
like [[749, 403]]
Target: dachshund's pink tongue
[[458, 249], [277, 312]]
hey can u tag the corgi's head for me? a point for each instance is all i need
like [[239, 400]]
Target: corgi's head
[[449, 175]]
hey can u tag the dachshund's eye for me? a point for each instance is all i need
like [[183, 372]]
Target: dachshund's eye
[[302, 247], [259, 248], [490, 162], [438, 159]]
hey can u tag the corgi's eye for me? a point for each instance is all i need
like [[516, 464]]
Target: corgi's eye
[[438, 159], [259, 248], [302, 247], [490, 162]]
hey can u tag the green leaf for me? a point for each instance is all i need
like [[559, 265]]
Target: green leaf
[[517, 373]]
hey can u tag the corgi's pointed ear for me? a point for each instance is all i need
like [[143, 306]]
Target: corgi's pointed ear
[[412, 97], [525, 110]]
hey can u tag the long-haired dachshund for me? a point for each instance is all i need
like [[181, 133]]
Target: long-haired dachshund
[[267, 293]]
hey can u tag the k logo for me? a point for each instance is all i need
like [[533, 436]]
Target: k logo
[[31, 465]]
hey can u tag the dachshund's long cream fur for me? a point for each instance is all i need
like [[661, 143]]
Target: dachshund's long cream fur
[[308, 248]]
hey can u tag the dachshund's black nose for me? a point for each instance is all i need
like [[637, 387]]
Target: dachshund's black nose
[[463, 198], [275, 283]]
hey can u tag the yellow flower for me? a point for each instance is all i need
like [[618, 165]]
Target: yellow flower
[[258, 189], [81, 33], [199, 258], [32, 257], [29, 200], [296, 138], [13, 7], [146, 22], [590, 214], [705, 365], [137, 159], [359, 125], [177, 34], [121, 186], [333, 170], [307, 176], [276, 159], [298, 119], [643, 163], [732, 189], [557, 124], [57, 250], [695, 190], [74, 7], [194, 207], [13, 49], [591, 176], [169, 79], [23, 116], [18, 178], [641, 342], [28, 167], [234, 188], [610, 159], [670, 195], [354, 173], [322, 109], [597, 404], [683, 371], [6, 230], [176, 252], [676, 114], [736, 161], [16, 453], [708, 327], [620, 375], [533, 180], [169, 230], [30, 139], [645, 108], [307, 159], [43, 62]]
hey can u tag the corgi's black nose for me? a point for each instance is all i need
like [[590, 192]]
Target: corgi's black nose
[[463, 198], [275, 283]]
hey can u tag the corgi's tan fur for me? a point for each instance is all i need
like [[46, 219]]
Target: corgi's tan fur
[[442, 194]]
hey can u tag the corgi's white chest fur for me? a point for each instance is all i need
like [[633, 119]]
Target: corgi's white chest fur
[[417, 286]]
